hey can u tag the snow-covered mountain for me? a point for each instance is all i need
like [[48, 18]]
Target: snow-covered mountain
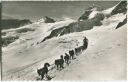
[[32, 45], [14, 23], [92, 17]]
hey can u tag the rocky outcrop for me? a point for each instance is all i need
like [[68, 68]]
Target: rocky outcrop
[[9, 39], [120, 8], [25, 21], [122, 23], [85, 15], [48, 20], [76, 27], [85, 23], [88, 11]]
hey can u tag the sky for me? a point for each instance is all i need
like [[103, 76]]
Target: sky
[[35, 10]]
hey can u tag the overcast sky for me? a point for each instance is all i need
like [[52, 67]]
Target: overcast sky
[[57, 9]]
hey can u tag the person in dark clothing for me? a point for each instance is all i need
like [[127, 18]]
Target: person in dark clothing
[[43, 71], [71, 54], [60, 62], [76, 51], [85, 45], [66, 57]]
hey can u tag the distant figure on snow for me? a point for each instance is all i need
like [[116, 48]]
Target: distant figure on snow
[[77, 50], [66, 57], [43, 71], [60, 62], [85, 45], [71, 53]]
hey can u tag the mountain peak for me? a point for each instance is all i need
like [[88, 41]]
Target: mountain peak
[[48, 20], [89, 10], [121, 7]]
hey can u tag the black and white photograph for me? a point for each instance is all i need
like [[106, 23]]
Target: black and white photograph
[[63, 40]]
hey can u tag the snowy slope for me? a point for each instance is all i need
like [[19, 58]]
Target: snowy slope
[[28, 49], [96, 57], [104, 58], [28, 57], [40, 30], [92, 17]]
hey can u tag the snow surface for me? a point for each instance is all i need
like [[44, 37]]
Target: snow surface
[[104, 59], [108, 11], [26, 51], [93, 13]]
